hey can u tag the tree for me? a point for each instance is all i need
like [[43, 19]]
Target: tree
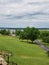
[[29, 34], [45, 36], [22, 36], [5, 32], [17, 32], [46, 39], [34, 34]]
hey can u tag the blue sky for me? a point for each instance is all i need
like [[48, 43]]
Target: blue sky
[[23, 13]]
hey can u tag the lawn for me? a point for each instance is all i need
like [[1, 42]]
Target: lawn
[[23, 53]]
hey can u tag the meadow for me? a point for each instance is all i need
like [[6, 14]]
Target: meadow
[[23, 53]]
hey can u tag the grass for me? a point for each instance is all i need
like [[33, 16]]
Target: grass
[[23, 52]]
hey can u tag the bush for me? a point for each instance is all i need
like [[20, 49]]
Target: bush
[[45, 36], [5, 32], [46, 39]]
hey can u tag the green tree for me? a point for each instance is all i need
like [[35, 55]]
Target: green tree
[[5, 32], [17, 32], [22, 36], [34, 34], [45, 36], [46, 39], [27, 33]]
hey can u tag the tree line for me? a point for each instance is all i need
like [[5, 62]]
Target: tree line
[[33, 34], [29, 34]]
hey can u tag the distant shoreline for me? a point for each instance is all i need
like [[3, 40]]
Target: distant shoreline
[[23, 28]]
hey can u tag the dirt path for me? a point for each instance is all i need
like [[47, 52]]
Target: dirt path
[[41, 45]]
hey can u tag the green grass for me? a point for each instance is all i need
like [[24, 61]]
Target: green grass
[[23, 52]]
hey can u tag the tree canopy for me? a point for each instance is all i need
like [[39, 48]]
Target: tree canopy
[[29, 33]]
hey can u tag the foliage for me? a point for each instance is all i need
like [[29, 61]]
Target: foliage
[[46, 39], [22, 35], [29, 34], [5, 32], [34, 34], [17, 32], [45, 36]]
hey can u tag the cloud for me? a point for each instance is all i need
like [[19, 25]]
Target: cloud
[[9, 1], [38, 3], [24, 13]]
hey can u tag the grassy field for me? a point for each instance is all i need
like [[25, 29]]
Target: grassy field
[[23, 52]]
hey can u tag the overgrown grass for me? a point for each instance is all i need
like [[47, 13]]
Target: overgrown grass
[[23, 52]]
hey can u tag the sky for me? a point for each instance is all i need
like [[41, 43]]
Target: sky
[[24, 13]]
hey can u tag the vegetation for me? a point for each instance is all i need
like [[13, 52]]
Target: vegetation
[[4, 32], [25, 34], [17, 32], [34, 34], [23, 53], [28, 34], [45, 36]]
